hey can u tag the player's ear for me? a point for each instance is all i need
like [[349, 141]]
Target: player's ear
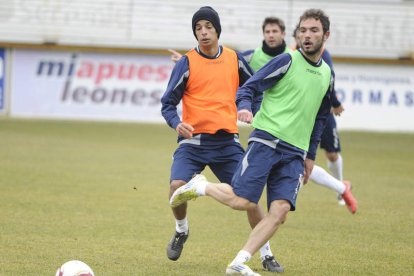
[[326, 35]]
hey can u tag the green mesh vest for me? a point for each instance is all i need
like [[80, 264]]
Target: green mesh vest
[[288, 110], [260, 58]]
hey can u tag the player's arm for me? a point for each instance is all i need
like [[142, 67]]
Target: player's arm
[[247, 55], [245, 73], [257, 100], [338, 110], [175, 56], [174, 93], [183, 129], [262, 80], [337, 107]]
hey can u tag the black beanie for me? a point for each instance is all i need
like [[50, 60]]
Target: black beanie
[[209, 14]]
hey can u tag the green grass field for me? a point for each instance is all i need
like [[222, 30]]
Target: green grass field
[[98, 192]]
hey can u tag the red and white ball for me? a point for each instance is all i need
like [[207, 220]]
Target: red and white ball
[[74, 268]]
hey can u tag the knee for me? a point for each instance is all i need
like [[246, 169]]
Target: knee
[[332, 156], [175, 184], [284, 213], [279, 211], [284, 219]]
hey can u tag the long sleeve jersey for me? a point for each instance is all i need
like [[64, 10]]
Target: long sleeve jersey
[[326, 56]]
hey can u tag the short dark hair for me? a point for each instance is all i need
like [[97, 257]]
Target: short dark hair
[[318, 15], [274, 20]]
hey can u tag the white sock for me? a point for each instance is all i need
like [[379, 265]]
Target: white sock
[[242, 257], [181, 225], [322, 177], [265, 250], [201, 189], [336, 168]]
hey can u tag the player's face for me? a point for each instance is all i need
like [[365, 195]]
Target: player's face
[[206, 33], [273, 35], [311, 36]]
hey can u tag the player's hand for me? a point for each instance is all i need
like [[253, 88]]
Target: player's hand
[[308, 169], [185, 130], [338, 110], [245, 116], [175, 56]]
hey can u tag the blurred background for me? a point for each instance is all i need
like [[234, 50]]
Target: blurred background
[[108, 60]]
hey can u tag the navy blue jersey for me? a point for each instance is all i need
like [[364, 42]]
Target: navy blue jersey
[[326, 56]]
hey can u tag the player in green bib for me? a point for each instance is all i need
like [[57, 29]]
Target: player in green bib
[[282, 146], [273, 44]]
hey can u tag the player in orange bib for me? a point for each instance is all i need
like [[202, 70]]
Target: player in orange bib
[[205, 80]]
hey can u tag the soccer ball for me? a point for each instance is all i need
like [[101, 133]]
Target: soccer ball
[[74, 268]]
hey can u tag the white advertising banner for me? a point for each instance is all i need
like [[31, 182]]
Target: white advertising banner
[[88, 86], [375, 97], [129, 87]]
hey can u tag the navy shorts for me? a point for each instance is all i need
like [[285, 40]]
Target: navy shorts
[[261, 164], [330, 137], [191, 159]]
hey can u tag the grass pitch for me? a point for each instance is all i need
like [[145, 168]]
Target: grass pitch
[[98, 192]]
